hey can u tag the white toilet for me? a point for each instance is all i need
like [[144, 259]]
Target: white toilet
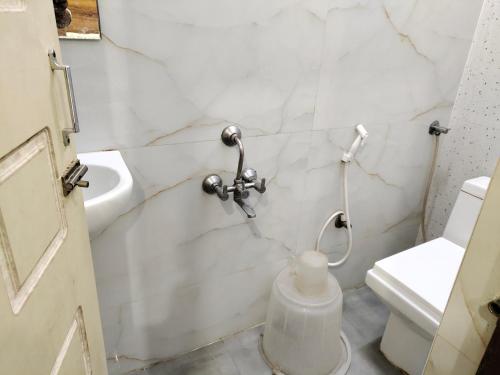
[[416, 283]]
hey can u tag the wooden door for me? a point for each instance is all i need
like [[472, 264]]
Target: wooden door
[[49, 317]]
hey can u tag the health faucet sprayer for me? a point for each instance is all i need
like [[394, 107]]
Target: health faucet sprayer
[[347, 157], [358, 142]]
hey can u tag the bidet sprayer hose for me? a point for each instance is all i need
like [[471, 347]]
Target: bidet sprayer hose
[[423, 218], [347, 222]]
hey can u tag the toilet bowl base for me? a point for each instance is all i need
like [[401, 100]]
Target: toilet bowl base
[[405, 345]]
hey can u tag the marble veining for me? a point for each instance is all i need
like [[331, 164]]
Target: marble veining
[[252, 65], [180, 269], [399, 68]]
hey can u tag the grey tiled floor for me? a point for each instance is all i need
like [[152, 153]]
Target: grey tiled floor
[[363, 323]]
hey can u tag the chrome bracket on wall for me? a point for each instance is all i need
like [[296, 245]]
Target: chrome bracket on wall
[[245, 178], [436, 129]]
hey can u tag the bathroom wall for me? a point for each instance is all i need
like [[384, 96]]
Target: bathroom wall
[[467, 325], [472, 147], [179, 269], [394, 66]]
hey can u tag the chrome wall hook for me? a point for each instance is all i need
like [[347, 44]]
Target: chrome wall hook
[[245, 178]]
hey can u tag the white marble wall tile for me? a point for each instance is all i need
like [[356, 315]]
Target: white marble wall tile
[[392, 61], [170, 72], [386, 182], [180, 251], [160, 327], [180, 268]]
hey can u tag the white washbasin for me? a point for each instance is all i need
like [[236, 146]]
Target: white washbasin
[[109, 190]]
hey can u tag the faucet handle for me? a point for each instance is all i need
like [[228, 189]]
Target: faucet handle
[[249, 175], [260, 186]]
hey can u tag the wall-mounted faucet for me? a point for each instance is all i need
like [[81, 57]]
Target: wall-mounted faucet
[[245, 178]]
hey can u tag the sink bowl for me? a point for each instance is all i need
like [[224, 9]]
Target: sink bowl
[[109, 190]]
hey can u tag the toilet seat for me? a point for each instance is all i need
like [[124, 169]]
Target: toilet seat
[[398, 280]]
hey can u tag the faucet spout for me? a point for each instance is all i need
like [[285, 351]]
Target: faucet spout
[[245, 207]]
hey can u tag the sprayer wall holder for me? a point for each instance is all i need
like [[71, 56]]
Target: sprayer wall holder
[[436, 129]]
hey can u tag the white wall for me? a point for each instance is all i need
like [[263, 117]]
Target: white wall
[[180, 269], [472, 147]]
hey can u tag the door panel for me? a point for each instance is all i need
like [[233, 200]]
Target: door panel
[[74, 356], [49, 319], [28, 174]]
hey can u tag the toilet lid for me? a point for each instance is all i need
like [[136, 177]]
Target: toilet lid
[[424, 274]]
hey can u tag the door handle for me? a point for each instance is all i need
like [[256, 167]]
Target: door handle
[[54, 65]]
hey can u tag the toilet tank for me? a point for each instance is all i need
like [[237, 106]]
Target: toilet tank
[[465, 211]]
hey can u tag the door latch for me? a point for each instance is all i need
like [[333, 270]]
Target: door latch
[[73, 177]]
